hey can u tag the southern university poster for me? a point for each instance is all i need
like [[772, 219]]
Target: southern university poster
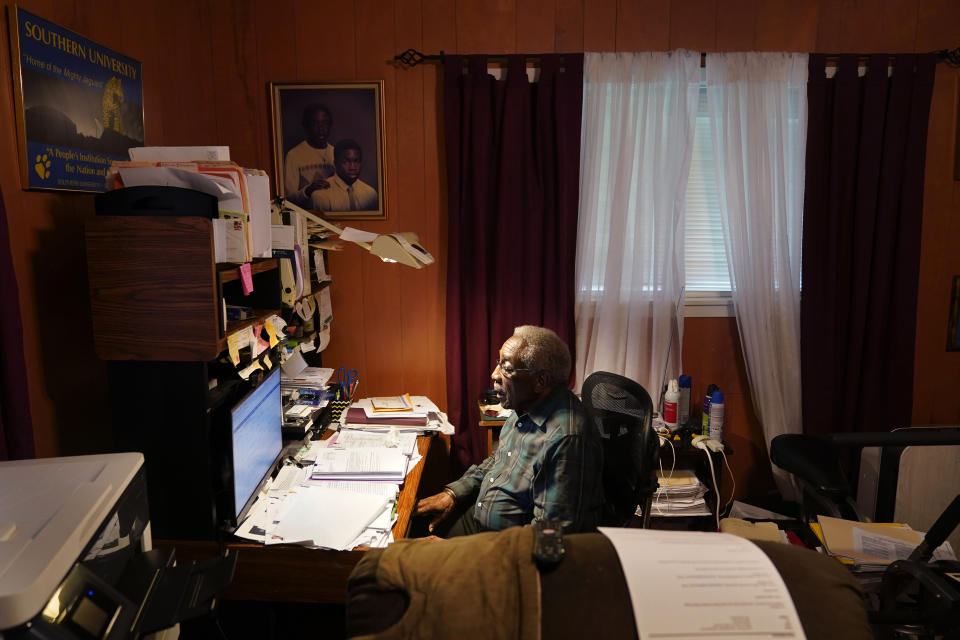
[[79, 106]]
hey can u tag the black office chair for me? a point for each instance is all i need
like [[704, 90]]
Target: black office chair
[[916, 594], [622, 411], [815, 463]]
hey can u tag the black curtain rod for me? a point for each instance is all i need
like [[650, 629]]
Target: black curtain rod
[[412, 57]]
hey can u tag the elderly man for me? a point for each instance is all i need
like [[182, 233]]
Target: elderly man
[[549, 462]]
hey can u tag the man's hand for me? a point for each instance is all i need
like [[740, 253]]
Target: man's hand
[[319, 183], [440, 503]]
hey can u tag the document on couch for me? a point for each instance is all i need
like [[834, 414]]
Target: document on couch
[[687, 584]]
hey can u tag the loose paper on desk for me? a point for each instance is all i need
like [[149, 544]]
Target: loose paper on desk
[[421, 407], [296, 373], [352, 439], [689, 584], [360, 464], [874, 543], [325, 517]]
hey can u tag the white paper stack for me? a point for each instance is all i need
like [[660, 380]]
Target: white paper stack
[[325, 517], [360, 464], [680, 494]]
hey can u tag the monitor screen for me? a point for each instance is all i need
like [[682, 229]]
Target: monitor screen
[[256, 424]]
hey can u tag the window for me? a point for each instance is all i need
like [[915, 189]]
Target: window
[[707, 274]]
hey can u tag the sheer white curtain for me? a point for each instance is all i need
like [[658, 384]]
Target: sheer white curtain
[[758, 115], [638, 120]]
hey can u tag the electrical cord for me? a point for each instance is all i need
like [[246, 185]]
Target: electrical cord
[[733, 480], [669, 476], [716, 488]]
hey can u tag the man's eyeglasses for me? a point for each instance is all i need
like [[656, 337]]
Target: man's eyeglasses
[[508, 370]]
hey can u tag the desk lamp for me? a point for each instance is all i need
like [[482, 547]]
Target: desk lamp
[[402, 247]]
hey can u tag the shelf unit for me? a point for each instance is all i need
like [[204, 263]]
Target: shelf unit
[[158, 300], [156, 293]]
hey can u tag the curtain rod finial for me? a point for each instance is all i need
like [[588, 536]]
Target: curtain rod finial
[[950, 56], [410, 57]]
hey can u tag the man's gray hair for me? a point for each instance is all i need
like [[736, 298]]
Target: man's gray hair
[[543, 349]]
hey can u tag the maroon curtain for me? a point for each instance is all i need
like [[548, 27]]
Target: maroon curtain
[[16, 431], [513, 170], [863, 201]]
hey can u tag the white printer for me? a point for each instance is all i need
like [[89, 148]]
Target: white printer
[[76, 558]]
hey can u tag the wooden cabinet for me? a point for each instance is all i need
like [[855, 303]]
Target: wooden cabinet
[[157, 294]]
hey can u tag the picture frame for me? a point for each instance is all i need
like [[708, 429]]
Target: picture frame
[[953, 322], [328, 147], [78, 105]]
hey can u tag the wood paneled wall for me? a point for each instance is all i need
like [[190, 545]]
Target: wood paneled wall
[[207, 64]]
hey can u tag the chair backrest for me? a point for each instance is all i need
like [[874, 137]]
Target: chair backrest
[[815, 463], [622, 411]]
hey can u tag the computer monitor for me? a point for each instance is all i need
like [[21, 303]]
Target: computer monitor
[[256, 441]]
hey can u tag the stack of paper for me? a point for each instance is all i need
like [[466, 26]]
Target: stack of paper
[[295, 374], [391, 404], [243, 199], [297, 486], [680, 494], [325, 517], [872, 546], [360, 464], [422, 417]]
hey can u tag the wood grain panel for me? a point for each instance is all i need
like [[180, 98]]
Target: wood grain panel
[[937, 371], [787, 25], [885, 26], [837, 34], [348, 329], [736, 25], [276, 64], [326, 40], [416, 320], [380, 281], [938, 25], [185, 75], [693, 25], [569, 28], [898, 29], [600, 25], [486, 26], [643, 25], [712, 355], [236, 80], [438, 19], [152, 288], [536, 26]]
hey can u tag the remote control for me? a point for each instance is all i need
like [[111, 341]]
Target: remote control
[[547, 543]]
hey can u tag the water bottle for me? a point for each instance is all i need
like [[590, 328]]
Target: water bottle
[[670, 405], [683, 405], [705, 416], [716, 416]]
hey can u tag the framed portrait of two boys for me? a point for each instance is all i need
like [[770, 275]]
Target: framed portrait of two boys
[[328, 147]]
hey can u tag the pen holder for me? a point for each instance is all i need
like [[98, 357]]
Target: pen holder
[[338, 407]]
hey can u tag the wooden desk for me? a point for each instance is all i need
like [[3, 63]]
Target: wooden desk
[[492, 427], [291, 573]]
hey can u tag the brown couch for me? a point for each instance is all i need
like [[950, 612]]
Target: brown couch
[[486, 586]]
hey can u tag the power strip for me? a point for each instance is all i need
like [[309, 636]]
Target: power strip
[[706, 442]]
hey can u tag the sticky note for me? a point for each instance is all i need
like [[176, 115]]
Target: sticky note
[[271, 333], [233, 347], [261, 344], [246, 278]]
